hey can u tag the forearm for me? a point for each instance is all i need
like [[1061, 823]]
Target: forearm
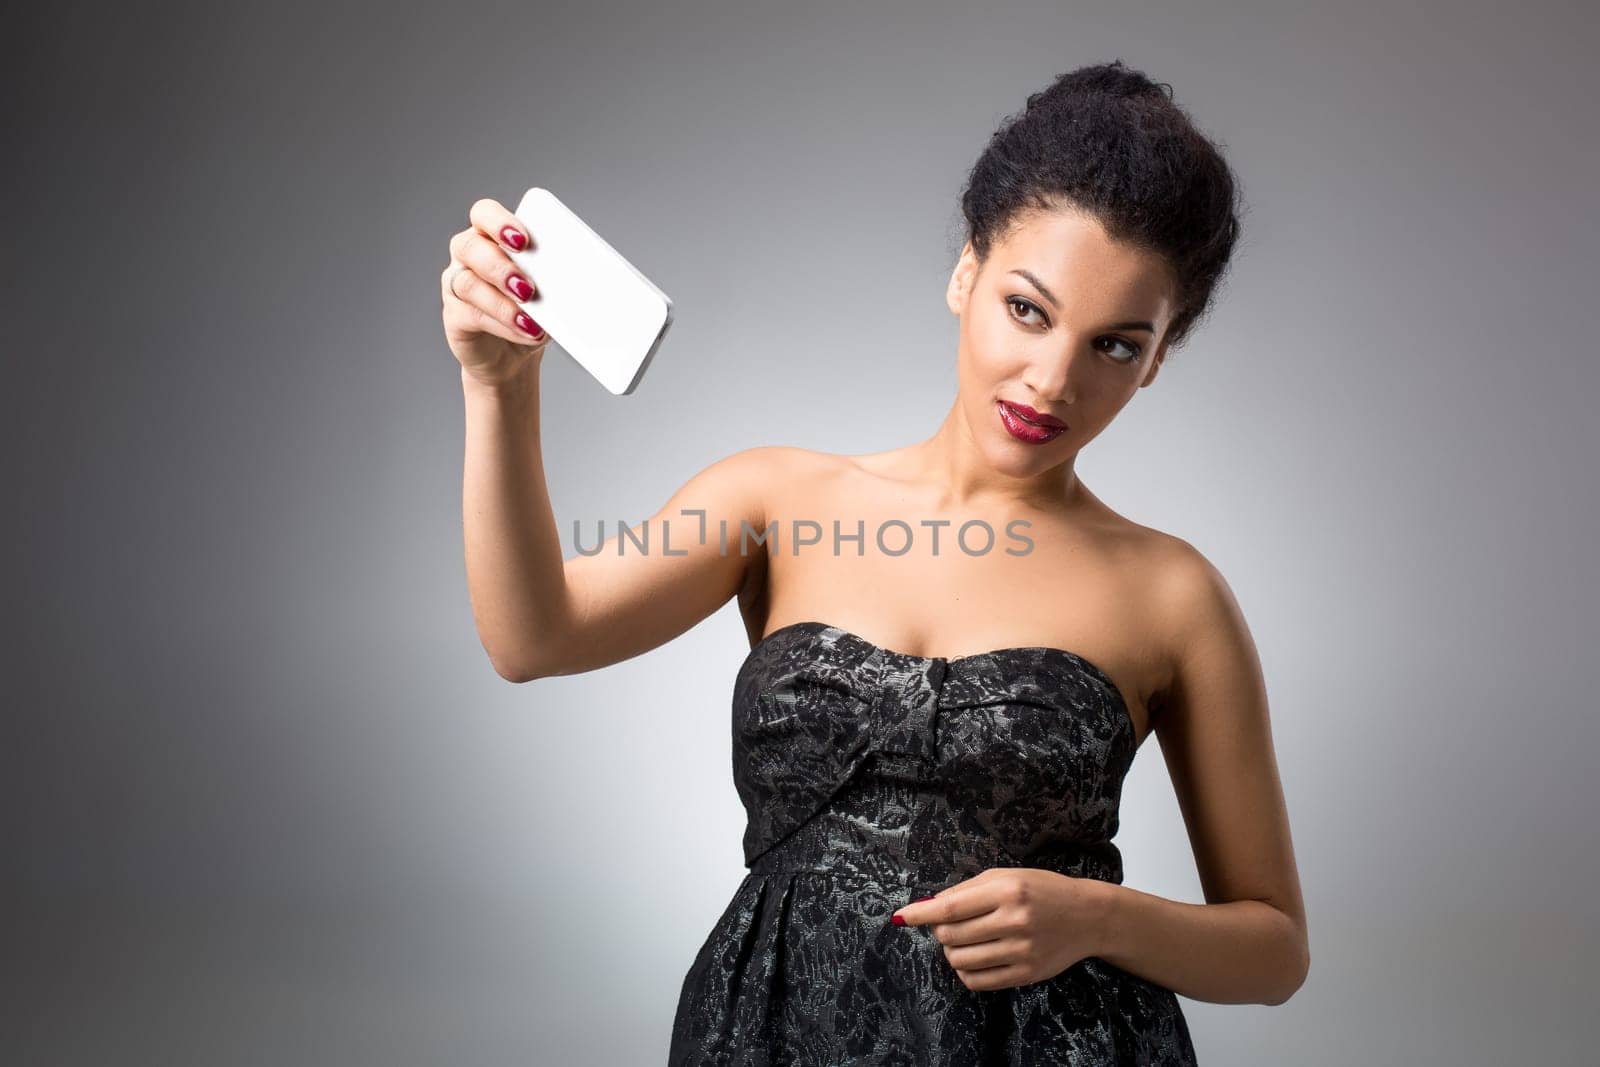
[[1238, 952], [515, 573]]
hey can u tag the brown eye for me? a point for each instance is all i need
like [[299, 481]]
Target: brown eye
[[1017, 301], [1133, 349]]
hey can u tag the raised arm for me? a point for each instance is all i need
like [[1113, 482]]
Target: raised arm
[[536, 613], [672, 571]]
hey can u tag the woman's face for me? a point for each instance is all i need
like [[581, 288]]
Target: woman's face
[[1074, 341]]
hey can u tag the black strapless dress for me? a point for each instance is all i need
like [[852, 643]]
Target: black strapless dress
[[872, 778]]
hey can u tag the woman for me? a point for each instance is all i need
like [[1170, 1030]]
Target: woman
[[931, 733]]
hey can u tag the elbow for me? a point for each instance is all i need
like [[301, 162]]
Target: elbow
[[510, 672], [514, 676], [1297, 972], [527, 662], [528, 669], [521, 673], [517, 671]]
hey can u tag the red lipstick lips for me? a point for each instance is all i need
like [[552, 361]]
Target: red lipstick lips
[[1026, 424]]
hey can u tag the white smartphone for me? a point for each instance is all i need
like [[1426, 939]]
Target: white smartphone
[[597, 306]]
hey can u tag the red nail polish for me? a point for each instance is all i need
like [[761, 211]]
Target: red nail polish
[[897, 920], [513, 238], [528, 325], [519, 285]]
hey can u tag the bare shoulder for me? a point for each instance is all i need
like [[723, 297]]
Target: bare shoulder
[[774, 460], [765, 478], [1189, 592], [1154, 559], [1198, 623], [799, 469], [751, 468], [1183, 603], [1176, 583]]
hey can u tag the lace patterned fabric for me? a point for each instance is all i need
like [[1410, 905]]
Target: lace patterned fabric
[[871, 778]]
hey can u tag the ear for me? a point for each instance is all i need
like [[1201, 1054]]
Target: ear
[[961, 279]]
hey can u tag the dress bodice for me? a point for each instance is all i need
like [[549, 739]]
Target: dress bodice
[[1012, 757]]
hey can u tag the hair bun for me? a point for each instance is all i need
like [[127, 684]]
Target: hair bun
[[1105, 79]]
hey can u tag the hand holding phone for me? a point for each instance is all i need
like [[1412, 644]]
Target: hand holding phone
[[517, 281]]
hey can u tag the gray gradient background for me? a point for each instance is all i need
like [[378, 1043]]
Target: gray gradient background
[[268, 803]]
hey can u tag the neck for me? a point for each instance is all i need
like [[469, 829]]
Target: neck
[[952, 460]]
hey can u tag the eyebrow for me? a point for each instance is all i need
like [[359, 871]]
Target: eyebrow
[[1048, 295]]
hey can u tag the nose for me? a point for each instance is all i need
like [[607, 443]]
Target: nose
[[1050, 379]]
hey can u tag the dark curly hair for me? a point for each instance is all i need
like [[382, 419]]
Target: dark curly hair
[[1107, 140]]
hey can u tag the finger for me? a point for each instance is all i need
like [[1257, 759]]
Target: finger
[[1012, 974], [949, 905], [996, 953], [470, 303], [488, 260], [496, 222], [976, 930], [472, 287]]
